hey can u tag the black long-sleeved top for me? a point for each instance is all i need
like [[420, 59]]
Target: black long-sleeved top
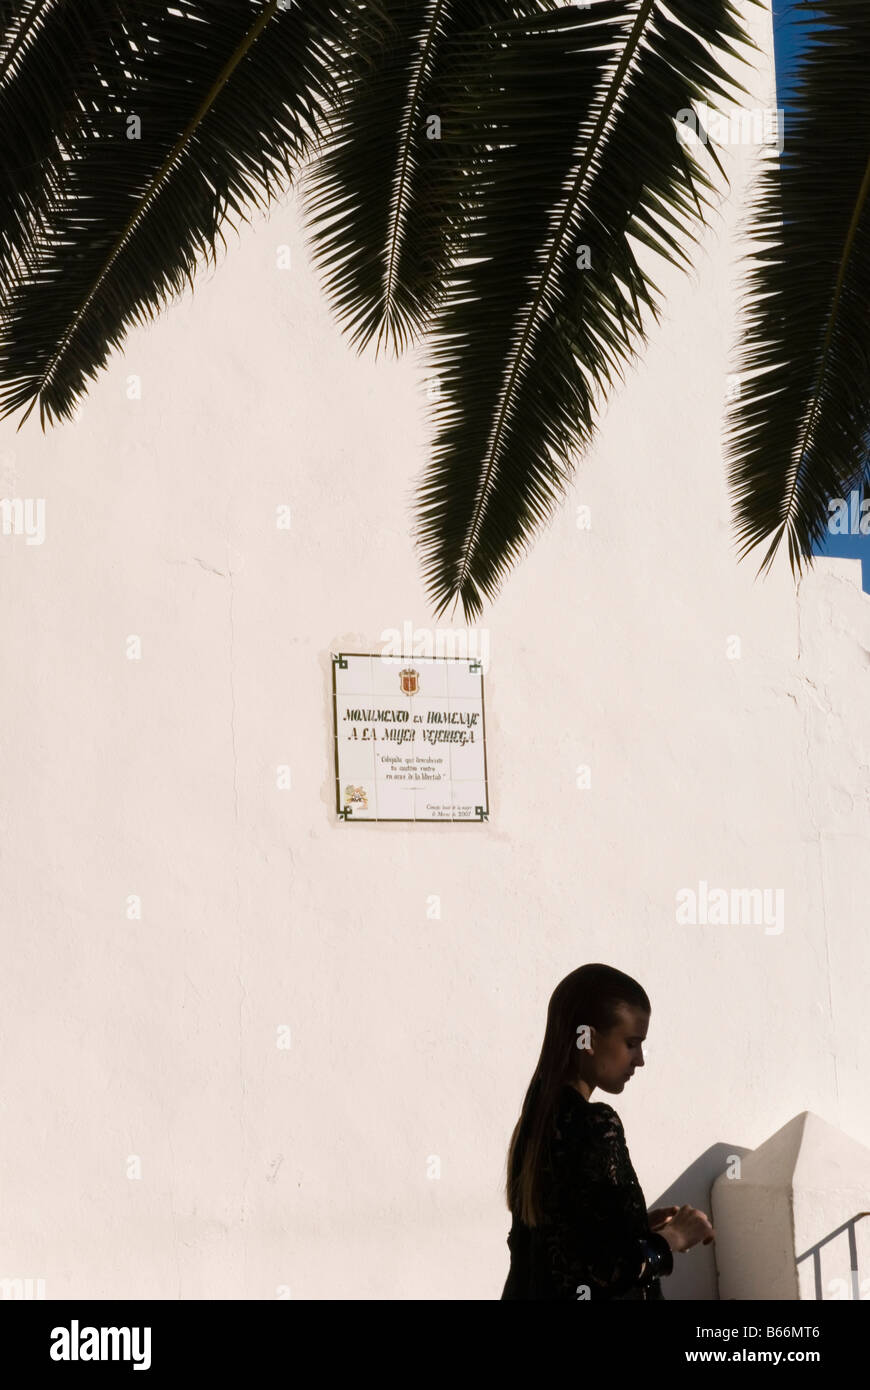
[[595, 1237]]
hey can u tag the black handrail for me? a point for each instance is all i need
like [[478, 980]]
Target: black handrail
[[853, 1254]]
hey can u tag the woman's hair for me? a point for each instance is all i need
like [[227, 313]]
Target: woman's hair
[[590, 995]]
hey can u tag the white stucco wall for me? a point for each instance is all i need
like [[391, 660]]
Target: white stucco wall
[[306, 1168]]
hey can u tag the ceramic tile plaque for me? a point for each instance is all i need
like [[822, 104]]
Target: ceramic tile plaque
[[410, 743]]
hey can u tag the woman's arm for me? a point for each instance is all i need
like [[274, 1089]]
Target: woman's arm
[[592, 1242], [660, 1216]]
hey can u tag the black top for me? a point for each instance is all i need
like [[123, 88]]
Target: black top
[[595, 1237]]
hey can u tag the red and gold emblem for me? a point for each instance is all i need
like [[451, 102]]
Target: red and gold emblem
[[409, 679]]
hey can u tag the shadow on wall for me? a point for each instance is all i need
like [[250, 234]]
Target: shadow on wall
[[695, 1275]]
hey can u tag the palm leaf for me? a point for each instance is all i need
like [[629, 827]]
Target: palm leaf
[[56, 62], [798, 433], [577, 149], [229, 94], [385, 199]]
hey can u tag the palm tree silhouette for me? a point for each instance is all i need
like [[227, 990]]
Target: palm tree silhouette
[[475, 175]]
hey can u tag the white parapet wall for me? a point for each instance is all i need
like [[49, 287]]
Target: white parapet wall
[[793, 1217]]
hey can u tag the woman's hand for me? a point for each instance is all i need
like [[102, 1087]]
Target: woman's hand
[[660, 1216], [687, 1228]]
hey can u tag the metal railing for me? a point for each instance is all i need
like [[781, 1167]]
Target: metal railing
[[815, 1252]]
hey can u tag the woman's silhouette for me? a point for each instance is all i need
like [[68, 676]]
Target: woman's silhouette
[[580, 1227]]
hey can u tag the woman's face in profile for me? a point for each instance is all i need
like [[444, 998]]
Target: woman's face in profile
[[619, 1052]]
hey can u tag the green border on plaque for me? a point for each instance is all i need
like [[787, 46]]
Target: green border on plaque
[[345, 812]]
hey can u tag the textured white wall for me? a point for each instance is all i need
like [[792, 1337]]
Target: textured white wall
[[307, 1167]]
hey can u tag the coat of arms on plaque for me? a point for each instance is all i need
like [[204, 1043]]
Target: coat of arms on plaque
[[409, 680], [356, 796]]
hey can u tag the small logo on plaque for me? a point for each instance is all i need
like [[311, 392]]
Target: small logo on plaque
[[356, 796], [409, 680]]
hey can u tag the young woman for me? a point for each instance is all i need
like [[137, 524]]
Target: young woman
[[580, 1227]]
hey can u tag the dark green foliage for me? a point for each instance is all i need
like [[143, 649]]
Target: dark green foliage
[[799, 431], [583, 153], [385, 201], [228, 94], [517, 245]]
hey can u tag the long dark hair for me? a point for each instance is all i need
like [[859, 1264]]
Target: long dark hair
[[590, 995]]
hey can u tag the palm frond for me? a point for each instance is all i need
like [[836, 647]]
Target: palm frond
[[56, 63], [385, 201], [222, 98], [17, 19], [581, 161], [798, 433]]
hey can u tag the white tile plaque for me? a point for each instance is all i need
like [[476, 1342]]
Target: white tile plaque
[[410, 742]]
